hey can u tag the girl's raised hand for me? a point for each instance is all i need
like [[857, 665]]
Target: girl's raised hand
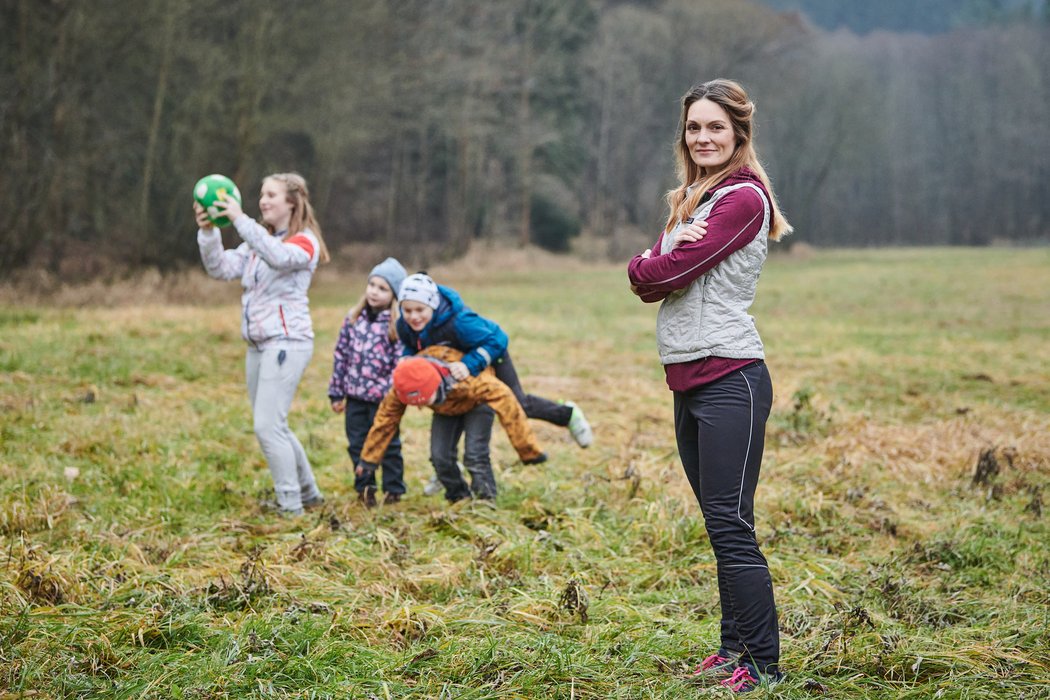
[[203, 222], [459, 371], [690, 233], [229, 207]]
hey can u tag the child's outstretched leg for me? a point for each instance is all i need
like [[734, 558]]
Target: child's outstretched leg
[[393, 472], [567, 415], [477, 429], [444, 444]]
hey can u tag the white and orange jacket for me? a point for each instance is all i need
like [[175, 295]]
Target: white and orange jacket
[[275, 273]]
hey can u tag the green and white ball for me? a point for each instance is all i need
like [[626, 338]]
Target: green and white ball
[[209, 190]]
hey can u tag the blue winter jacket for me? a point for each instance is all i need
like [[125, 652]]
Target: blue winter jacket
[[481, 341]]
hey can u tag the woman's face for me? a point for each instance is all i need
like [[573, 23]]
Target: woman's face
[[274, 205], [709, 135], [378, 293], [416, 314]]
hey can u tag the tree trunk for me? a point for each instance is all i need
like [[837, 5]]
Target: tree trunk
[[524, 127], [168, 33]]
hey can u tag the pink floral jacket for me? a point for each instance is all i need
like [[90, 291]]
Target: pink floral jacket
[[364, 359]]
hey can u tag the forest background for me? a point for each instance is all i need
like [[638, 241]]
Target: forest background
[[425, 126]]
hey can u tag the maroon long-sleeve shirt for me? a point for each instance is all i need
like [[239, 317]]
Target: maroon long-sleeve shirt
[[733, 223]]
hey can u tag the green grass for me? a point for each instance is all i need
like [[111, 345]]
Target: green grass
[[134, 560]]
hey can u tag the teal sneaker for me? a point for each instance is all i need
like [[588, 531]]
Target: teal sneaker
[[579, 427]]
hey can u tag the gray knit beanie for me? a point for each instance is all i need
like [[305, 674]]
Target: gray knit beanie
[[392, 271]]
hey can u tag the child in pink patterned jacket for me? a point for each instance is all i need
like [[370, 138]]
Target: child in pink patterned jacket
[[365, 355]]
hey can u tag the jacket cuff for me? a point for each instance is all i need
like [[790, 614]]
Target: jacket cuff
[[474, 363], [208, 235]]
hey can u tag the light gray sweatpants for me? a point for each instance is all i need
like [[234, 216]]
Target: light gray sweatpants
[[273, 376]]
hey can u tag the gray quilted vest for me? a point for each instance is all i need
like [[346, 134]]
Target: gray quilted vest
[[710, 316]]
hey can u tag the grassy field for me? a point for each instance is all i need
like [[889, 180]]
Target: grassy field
[[135, 562]]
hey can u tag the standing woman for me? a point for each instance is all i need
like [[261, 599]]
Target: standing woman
[[704, 267], [275, 264]]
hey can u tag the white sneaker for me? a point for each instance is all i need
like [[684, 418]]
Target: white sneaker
[[579, 427]]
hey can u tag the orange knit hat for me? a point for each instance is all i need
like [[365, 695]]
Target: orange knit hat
[[416, 380]]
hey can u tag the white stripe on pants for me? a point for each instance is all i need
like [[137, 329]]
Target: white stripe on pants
[[273, 376]]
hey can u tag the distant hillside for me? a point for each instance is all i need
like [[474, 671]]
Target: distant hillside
[[925, 16]]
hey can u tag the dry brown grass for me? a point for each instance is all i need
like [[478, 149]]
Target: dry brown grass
[[192, 286]]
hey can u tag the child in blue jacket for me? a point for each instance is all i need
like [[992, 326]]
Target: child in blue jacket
[[432, 314]]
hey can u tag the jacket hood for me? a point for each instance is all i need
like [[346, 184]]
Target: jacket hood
[[451, 304]]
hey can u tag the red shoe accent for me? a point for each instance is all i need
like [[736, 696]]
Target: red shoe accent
[[711, 666], [741, 681]]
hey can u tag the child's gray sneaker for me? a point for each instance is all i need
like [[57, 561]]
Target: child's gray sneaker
[[434, 486], [579, 427], [270, 505], [315, 502]]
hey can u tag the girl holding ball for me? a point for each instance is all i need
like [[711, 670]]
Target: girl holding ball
[[275, 264]]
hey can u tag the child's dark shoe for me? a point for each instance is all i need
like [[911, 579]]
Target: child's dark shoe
[[391, 499], [367, 498]]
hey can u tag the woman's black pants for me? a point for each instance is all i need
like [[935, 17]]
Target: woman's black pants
[[721, 432]]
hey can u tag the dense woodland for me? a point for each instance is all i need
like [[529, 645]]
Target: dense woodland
[[915, 15], [424, 126]]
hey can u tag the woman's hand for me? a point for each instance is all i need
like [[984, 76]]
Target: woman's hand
[[690, 233], [203, 222], [339, 406], [459, 371], [644, 256], [229, 207]]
